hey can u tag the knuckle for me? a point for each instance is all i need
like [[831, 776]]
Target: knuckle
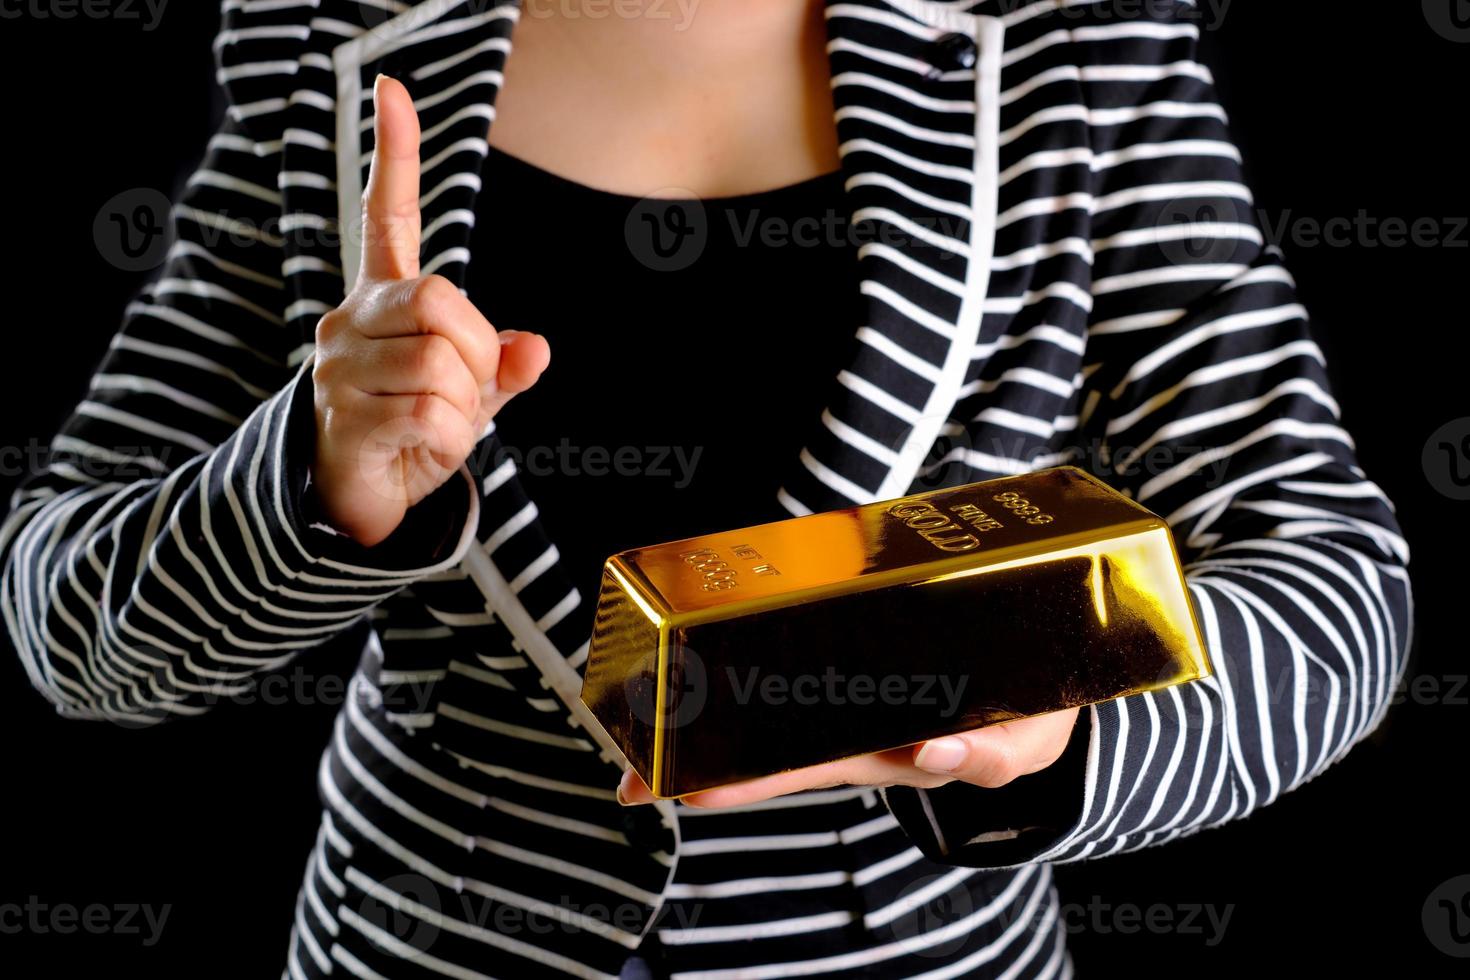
[[438, 425], [404, 211], [324, 372], [999, 767], [333, 422], [331, 325], [430, 297], [436, 358]]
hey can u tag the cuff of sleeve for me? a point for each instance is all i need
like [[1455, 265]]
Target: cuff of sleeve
[[434, 535], [971, 826]]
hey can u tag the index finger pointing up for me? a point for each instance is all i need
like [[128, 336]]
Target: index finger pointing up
[[391, 222]]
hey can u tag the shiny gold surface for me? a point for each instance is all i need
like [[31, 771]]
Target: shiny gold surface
[[735, 655]]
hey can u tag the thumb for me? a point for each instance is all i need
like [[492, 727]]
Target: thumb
[[996, 755], [523, 356]]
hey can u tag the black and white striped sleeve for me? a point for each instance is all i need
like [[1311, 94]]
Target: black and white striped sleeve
[[164, 551], [1210, 404]]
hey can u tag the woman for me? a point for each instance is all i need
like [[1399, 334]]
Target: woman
[[338, 435]]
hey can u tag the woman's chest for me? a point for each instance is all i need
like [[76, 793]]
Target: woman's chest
[[692, 345]]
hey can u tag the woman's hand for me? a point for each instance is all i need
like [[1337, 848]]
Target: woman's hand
[[408, 373], [987, 757]]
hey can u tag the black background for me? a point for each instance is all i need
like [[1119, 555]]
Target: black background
[[1339, 109]]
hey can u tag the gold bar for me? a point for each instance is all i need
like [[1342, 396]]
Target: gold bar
[[735, 655]]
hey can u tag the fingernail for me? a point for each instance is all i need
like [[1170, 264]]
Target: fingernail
[[942, 755], [622, 788]]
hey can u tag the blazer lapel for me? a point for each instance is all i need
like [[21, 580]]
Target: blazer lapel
[[916, 86], [450, 52], [451, 55]]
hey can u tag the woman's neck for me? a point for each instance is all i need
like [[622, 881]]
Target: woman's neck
[[651, 97]]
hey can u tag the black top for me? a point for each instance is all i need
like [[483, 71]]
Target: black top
[[693, 345]]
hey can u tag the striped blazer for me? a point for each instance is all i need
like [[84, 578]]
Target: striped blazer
[[1066, 269]]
